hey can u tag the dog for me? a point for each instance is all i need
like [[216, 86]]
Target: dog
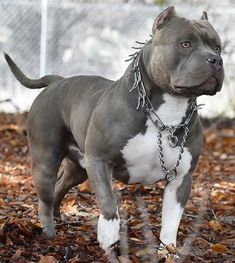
[[142, 128]]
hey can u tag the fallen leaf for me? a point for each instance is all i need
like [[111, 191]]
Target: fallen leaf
[[219, 248], [47, 259], [172, 249], [136, 240], [170, 259], [215, 225], [134, 259], [17, 253], [162, 253], [85, 187], [124, 259]]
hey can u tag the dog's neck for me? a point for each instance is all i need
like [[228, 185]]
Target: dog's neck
[[150, 97]]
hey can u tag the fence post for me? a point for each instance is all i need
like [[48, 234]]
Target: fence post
[[43, 40]]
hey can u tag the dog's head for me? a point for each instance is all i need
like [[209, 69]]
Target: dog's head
[[186, 55]]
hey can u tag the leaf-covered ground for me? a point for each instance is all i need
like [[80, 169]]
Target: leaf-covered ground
[[206, 232]]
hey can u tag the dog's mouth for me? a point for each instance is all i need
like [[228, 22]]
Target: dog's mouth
[[209, 87]]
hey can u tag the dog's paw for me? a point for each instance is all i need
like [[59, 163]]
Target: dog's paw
[[48, 228], [49, 232], [108, 232]]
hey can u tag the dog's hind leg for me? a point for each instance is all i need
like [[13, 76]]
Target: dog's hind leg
[[71, 175], [45, 165]]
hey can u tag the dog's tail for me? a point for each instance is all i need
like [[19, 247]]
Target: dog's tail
[[27, 82]]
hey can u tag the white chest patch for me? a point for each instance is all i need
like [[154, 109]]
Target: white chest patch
[[141, 152]]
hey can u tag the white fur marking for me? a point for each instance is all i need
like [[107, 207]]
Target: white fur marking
[[173, 110], [108, 232], [171, 216], [141, 152]]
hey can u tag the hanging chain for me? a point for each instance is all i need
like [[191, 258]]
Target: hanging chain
[[145, 103], [170, 174]]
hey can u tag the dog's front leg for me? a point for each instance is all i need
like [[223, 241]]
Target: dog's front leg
[[100, 176], [175, 198]]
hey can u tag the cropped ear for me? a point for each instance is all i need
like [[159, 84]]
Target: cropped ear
[[204, 16], [163, 17]]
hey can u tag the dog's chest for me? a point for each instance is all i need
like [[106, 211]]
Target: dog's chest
[[141, 152]]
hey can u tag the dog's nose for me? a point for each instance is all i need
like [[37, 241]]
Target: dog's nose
[[215, 61]]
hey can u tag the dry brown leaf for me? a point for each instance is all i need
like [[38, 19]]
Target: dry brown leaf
[[85, 187], [124, 259], [47, 259], [210, 137], [219, 248], [17, 253], [136, 240], [172, 249], [217, 168], [9, 241], [134, 259], [215, 225], [170, 259], [2, 202], [162, 253]]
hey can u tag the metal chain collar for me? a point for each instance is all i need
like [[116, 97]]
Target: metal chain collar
[[145, 103]]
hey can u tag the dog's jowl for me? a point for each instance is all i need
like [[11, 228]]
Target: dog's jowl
[[141, 128]]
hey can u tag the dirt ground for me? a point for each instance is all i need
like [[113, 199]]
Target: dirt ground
[[206, 232]]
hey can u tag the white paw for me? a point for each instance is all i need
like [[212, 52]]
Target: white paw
[[108, 232]]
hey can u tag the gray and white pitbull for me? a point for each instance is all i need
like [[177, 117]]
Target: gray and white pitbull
[[93, 125]]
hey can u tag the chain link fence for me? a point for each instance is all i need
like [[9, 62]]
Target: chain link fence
[[92, 37]]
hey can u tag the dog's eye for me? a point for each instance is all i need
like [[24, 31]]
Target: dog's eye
[[186, 44], [218, 49]]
